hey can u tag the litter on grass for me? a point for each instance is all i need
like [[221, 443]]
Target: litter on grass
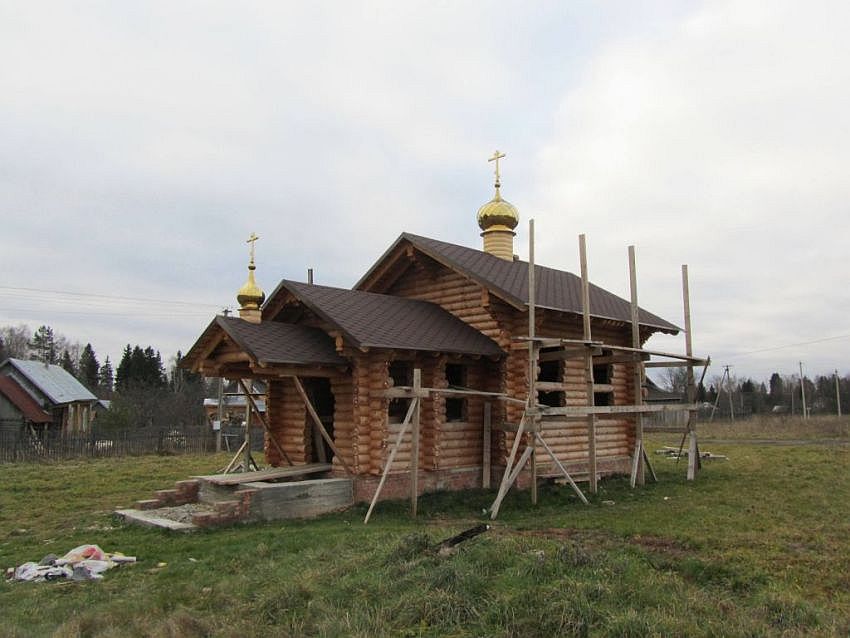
[[86, 562]]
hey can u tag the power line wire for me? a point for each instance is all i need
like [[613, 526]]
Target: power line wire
[[111, 297]]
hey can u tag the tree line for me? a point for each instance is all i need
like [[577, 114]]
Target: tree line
[[781, 394], [142, 393]]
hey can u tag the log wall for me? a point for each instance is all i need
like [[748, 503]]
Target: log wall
[[287, 422]]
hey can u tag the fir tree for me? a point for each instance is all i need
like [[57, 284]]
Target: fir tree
[[105, 379], [68, 363], [89, 368]]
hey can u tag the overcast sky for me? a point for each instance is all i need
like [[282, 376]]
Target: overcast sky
[[141, 143]]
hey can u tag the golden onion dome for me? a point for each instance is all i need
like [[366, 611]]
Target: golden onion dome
[[250, 295], [498, 212]]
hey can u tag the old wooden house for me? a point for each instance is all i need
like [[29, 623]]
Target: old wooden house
[[447, 327], [43, 396]]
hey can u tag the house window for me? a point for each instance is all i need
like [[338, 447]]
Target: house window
[[401, 372], [550, 371], [456, 407], [602, 374]]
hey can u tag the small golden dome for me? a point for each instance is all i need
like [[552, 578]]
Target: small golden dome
[[250, 295], [498, 212]]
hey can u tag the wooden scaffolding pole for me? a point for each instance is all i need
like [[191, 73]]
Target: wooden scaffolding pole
[[638, 476], [249, 397], [414, 405], [414, 445], [532, 355], [588, 365], [487, 443], [693, 447], [317, 422]]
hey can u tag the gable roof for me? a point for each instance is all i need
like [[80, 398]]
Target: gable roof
[[55, 382], [556, 289], [272, 342], [383, 321], [22, 400]]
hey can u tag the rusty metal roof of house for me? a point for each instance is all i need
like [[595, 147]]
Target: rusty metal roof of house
[[272, 342], [383, 321], [56, 383], [22, 400], [556, 289]]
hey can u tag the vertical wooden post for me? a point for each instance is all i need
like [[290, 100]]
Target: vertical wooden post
[[837, 395], [485, 462], [414, 444], [588, 365], [638, 477], [247, 458], [220, 414], [532, 356], [803, 392], [693, 450]]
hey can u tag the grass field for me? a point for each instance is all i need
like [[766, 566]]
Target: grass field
[[757, 546]]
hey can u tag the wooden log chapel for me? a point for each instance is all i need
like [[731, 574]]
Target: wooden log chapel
[[447, 367]]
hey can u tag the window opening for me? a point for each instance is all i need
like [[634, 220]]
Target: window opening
[[551, 371], [456, 407], [401, 372]]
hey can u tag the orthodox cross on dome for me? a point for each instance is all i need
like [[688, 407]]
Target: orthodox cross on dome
[[496, 157], [251, 240]]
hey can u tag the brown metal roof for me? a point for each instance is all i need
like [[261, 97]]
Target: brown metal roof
[[272, 342], [384, 321], [22, 400], [556, 289]]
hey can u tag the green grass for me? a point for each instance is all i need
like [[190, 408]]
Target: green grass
[[757, 546]]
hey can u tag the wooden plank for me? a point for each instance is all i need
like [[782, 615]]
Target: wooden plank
[[318, 423], [550, 386], [602, 388], [267, 475], [616, 409], [693, 460]]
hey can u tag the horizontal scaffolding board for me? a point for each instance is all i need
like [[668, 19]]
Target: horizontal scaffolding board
[[548, 342], [617, 409], [407, 392]]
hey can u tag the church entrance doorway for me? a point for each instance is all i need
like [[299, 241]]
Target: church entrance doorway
[[319, 391]]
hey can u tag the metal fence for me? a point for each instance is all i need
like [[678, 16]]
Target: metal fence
[[23, 444]]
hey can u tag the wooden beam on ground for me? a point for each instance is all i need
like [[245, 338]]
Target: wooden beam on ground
[[249, 397], [318, 423], [407, 418], [588, 365], [414, 447]]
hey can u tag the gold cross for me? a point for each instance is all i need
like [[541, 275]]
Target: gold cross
[[253, 238], [496, 157]]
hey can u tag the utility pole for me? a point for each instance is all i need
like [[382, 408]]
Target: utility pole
[[803, 392], [837, 395], [729, 389]]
